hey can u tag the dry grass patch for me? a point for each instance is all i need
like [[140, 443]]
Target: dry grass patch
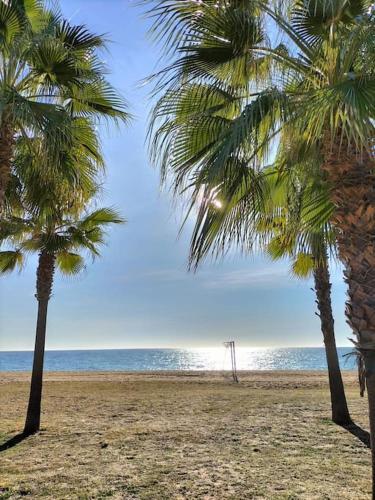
[[177, 436]]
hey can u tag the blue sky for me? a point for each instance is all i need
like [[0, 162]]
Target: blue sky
[[140, 294]]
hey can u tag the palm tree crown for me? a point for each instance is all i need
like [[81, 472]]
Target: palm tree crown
[[50, 72], [311, 83], [66, 240]]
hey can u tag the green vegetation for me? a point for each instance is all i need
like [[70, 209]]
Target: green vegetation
[[50, 70], [283, 228]]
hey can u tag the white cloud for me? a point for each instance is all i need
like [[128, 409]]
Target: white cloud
[[249, 277], [269, 277]]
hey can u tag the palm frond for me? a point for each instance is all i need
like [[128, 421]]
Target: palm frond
[[69, 263], [10, 260], [100, 217]]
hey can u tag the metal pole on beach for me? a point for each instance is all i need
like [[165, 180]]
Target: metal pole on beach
[[231, 345]]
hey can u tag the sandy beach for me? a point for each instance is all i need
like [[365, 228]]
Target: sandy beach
[[193, 435]]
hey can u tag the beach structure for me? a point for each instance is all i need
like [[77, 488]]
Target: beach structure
[[231, 346]]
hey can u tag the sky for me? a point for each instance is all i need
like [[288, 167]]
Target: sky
[[140, 293]]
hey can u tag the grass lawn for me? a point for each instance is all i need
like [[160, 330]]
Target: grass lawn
[[183, 436]]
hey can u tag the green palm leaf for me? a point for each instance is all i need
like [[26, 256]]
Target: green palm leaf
[[10, 260], [69, 263]]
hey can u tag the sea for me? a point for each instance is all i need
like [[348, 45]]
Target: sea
[[216, 358]]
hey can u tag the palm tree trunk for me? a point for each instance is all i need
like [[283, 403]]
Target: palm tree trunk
[[45, 274], [352, 181], [339, 406], [6, 153]]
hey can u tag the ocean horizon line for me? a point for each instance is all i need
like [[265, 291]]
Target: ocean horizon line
[[195, 358], [80, 349]]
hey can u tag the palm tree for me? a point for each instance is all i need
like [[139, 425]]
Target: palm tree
[[60, 244], [49, 70], [292, 224], [340, 412], [47, 212], [290, 234], [316, 86]]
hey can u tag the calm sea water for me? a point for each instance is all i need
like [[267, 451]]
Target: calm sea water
[[177, 359]]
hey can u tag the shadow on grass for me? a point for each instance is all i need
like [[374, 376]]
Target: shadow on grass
[[13, 441], [359, 433]]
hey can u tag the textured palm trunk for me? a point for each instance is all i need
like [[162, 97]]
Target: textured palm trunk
[[352, 181], [339, 406], [6, 153], [45, 274]]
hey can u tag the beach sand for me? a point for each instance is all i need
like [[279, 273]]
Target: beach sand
[[183, 435]]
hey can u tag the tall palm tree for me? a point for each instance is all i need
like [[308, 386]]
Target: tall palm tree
[[317, 86], [60, 244], [48, 213], [48, 70], [291, 235]]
